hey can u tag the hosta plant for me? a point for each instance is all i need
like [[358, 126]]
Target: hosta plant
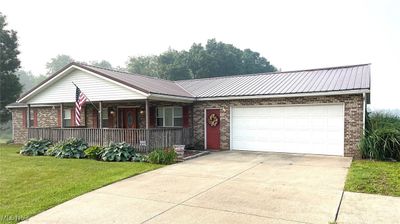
[[70, 148], [94, 152], [138, 157], [35, 147], [118, 152]]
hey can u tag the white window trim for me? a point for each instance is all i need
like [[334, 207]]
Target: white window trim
[[64, 118], [173, 116]]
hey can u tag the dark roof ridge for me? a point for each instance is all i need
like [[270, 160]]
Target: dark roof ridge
[[277, 72]]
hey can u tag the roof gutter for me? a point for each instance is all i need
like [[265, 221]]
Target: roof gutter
[[32, 105], [346, 92], [156, 96]]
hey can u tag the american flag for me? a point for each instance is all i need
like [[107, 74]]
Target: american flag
[[80, 99]]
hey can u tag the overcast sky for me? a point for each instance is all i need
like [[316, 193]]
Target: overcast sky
[[291, 34]]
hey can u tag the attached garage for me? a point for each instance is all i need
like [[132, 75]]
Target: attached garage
[[313, 129]]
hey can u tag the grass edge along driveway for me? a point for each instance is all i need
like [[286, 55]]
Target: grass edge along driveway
[[30, 185], [374, 177]]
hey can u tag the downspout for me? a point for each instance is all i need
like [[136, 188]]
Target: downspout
[[364, 110], [192, 131]]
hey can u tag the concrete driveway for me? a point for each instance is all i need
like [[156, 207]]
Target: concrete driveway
[[223, 187]]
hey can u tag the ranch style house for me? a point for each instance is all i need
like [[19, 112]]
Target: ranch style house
[[314, 111]]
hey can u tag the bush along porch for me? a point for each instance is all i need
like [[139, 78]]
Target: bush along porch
[[74, 148]]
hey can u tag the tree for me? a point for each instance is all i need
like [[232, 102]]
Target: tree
[[200, 62], [254, 63], [173, 65], [28, 80], [102, 64], [144, 65], [10, 88], [227, 58], [215, 59], [57, 63]]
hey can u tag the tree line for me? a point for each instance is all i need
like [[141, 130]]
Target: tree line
[[212, 60]]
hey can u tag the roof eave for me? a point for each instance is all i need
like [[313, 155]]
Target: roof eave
[[326, 93], [164, 97], [74, 65]]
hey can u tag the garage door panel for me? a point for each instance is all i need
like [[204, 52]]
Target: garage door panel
[[317, 129]]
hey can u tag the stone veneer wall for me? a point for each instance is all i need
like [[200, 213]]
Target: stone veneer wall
[[20, 132], [353, 117], [46, 117]]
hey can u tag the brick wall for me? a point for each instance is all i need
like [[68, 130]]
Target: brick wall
[[353, 116], [20, 132], [46, 117]]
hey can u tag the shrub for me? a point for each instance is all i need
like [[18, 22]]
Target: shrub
[[138, 157], [94, 152], [162, 156], [52, 150], [117, 152], [70, 148], [35, 147], [381, 140]]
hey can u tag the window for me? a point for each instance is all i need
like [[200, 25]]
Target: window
[[67, 117], [178, 116], [104, 117], [31, 118], [169, 116], [160, 116]]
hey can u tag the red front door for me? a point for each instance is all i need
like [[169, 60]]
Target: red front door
[[212, 129], [129, 118]]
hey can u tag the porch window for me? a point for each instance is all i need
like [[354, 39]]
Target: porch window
[[67, 117], [104, 117], [169, 116], [31, 118]]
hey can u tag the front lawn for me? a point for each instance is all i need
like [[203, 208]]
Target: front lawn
[[374, 177], [29, 185]]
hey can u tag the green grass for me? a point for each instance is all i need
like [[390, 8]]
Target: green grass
[[374, 177], [29, 185], [3, 140]]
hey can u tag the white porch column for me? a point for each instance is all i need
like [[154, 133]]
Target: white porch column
[[28, 120], [100, 115], [62, 115], [147, 114]]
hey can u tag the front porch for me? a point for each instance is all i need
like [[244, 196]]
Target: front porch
[[145, 124], [143, 140]]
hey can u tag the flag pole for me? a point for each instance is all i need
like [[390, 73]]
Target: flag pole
[[87, 98]]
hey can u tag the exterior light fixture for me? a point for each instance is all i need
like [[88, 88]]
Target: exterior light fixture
[[112, 112]]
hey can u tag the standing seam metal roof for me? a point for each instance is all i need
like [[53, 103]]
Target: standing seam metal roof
[[352, 77]]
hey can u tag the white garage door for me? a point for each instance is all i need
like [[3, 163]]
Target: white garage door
[[315, 129]]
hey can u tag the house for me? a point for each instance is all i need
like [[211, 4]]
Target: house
[[315, 111]]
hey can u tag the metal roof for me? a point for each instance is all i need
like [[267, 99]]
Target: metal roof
[[344, 78], [141, 82], [333, 79]]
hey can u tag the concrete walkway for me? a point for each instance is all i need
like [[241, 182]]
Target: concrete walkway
[[224, 187], [358, 208]]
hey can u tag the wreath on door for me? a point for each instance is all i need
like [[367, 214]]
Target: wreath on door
[[213, 120]]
